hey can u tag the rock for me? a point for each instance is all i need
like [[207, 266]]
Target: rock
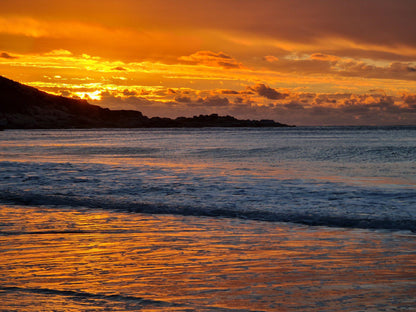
[[24, 107]]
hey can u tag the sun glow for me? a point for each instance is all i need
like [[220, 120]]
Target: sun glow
[[135, 58], [96, 95]]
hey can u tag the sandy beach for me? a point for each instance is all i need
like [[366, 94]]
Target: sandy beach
[[98, 260], [207, 156]]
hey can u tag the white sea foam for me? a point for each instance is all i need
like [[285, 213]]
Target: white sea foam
[[355, 177]]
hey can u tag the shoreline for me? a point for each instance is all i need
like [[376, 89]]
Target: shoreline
[[340, 222], [124, 261]]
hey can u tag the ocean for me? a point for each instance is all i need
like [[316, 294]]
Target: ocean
[[213, 219]]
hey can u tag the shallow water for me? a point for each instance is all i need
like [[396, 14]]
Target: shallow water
[[298, 219], [66, 259]]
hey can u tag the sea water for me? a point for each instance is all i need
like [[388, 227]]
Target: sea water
[[353, 177], [207, 219]]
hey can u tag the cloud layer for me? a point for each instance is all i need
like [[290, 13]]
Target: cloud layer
[[293, 108], [297, 61]]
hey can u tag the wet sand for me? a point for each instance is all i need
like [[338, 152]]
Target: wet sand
[[57, 259]]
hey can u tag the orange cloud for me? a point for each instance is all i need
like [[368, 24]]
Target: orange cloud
[[271, 58], [209, 58], [164, 56], [59, 52], [295, 108], [325, 57], [267, 92]]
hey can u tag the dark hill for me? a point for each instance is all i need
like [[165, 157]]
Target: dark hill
[[24, 107]]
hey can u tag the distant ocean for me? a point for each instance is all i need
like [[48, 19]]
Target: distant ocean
[[253, 219]]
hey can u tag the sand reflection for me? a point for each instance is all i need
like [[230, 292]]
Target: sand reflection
[[71, 260]]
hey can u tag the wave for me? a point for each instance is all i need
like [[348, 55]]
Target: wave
[[138, 302], [120, 204], [85, 295]]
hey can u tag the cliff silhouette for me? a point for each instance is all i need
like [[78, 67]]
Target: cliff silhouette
[[24, 107]]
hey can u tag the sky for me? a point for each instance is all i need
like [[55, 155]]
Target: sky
[[301, 62]]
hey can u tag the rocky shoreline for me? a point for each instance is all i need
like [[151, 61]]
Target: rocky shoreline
[[24, 107]]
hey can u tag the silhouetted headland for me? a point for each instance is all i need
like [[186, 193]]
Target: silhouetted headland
[[24, 107]]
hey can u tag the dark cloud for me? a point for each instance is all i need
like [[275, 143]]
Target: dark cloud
[[183, 99], [349, 109], [229, 92], [320, 99], [119, 68], [128, 92], [238, 100], [7, 56], [247, 92], [355, 109], [213, 100], [386, 104], [229, 65], [267, 92], [210, 54], [65, 93], [396, 70], [410, 99], [319, 63], [294, 106], [381, 91], [402, 67]]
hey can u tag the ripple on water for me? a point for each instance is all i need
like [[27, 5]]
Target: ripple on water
[[74, 259]]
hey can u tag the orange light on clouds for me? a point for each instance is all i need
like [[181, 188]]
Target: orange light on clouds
[[129, 54]]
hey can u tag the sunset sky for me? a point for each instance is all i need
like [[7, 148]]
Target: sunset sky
[[303, 62]]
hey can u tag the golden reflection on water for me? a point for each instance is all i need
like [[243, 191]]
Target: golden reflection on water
[[71, 260]]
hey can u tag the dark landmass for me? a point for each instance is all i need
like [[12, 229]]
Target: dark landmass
[[24, 107]]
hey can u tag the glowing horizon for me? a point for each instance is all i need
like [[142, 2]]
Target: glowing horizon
[[298, 62]]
